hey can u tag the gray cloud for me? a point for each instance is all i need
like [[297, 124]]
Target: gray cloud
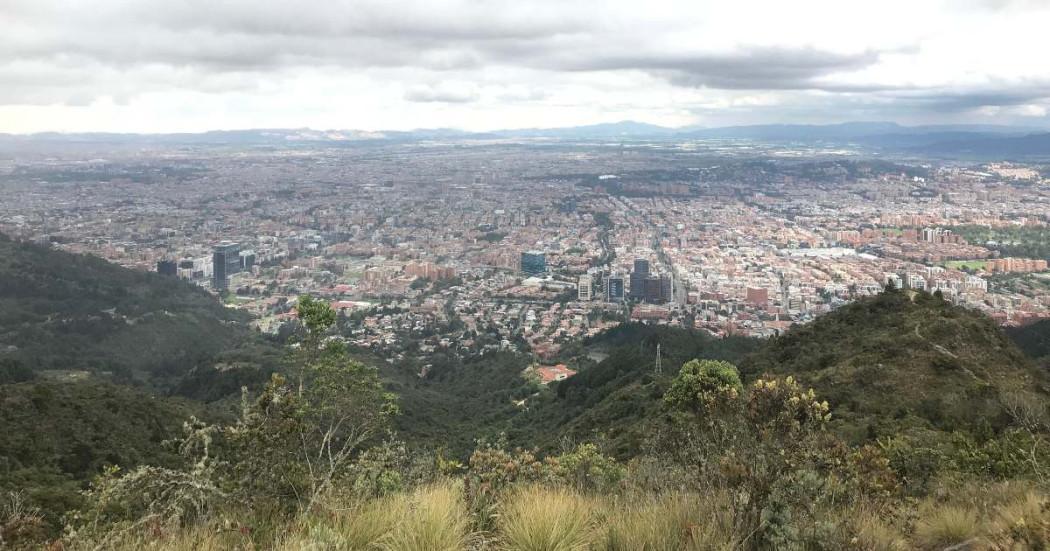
[[238, 35], [441, 94], [759, 68], [74, 51], [968, 99]]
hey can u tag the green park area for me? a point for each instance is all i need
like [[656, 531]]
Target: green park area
[[972, 265]]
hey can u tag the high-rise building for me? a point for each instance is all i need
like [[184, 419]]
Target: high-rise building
[[636, 288], [226, 261], [585, 287], [637, 279], [653, 289], [597, 284], [533, 263], [613, 287], [168, 268], [666, 288]]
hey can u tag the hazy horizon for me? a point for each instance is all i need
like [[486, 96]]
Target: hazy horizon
[[1034, 126]]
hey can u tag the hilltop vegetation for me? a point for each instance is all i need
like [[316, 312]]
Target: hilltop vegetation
[[902, 361], [728, 465], [64, 313], [617, 398], [57, 435], [898, 421]]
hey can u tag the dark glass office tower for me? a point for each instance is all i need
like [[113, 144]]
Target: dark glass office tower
[[533, 263], [226, 261]]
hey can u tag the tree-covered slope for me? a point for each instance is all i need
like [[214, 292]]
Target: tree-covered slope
[[1033, 340], [616, 398], [58, 435], [459, 401], [68, 312], [904, 360]]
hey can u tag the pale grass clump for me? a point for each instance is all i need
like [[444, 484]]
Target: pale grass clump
[[536, 518], [875, 534], [202, 538], [433, 518], [1023, 523], [671, 523], [943, 526], [357, 528]]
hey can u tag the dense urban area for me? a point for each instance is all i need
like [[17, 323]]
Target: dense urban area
[[490, 246]]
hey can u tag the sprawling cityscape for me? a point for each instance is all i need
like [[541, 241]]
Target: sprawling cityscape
[[493, 245]]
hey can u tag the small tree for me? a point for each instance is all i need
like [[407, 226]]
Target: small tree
[[297, 441], [763, 444]]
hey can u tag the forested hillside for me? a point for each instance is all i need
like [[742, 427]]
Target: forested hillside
[[616, 399], [1033, 340], [905, 360], [61, 313], [57, 435]]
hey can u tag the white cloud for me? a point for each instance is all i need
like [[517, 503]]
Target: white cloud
[[159, 65]]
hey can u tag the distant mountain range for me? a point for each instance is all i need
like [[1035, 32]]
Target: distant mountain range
[[937, 140]]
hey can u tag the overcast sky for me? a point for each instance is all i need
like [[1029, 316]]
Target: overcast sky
[[192, 65]]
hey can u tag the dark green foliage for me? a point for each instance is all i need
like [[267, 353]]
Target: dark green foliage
[[621, 395], [224, 376], [700, 384], [57, 435], [903, 360], [460, 400], [66, 312], [1033, 340], [14, 371], [1022, 241]]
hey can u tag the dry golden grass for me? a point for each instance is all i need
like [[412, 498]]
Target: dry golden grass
[[943, 526], [1023, 523], [543, 519], [673, 522], [875, 534], [432, 518], [435, 520]]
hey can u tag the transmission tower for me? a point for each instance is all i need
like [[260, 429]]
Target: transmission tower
[[659, 369]]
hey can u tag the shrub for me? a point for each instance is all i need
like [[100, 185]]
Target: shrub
[[385, 469], [586, 469], [704, 387], [491, 471], [20, 524]]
